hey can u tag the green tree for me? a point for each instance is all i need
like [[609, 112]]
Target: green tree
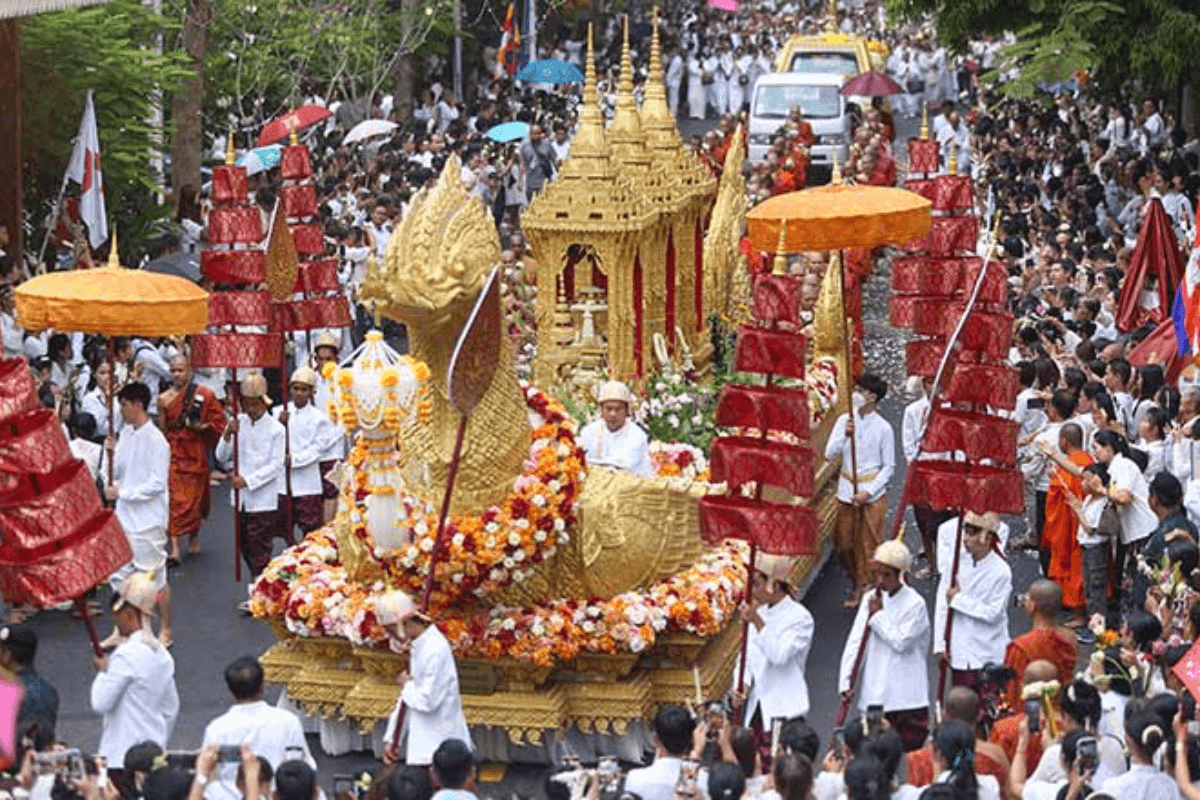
[[108, 48], [1148, 46]]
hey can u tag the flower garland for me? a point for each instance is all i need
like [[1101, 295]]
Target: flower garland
[[679, 460], [346, 409], [308, 589], [488, 551]]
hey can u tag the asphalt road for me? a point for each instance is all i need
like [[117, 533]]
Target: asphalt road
[[209, 632]]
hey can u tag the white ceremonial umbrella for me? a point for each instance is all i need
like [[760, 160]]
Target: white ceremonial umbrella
[[367, 129]]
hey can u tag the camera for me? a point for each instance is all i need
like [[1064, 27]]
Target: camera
[[194, 416], [68, 763], [1033, 711]]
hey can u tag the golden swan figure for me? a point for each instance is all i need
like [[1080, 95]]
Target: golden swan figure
[[632, 531]]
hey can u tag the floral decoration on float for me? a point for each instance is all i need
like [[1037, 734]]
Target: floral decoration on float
[[308, 588]]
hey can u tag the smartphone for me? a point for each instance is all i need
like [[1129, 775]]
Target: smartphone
[[65, 762], [343, 787], [839, 741], [685, 785], [1033, 711], [1087, 754], [291, 754], [229, 753], [874, 717], [609, 773]]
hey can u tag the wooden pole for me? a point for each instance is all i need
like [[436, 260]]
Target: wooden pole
[[949, 628], [844, 709], [237, 493], [441, 528], [82, 606], [112, 385]]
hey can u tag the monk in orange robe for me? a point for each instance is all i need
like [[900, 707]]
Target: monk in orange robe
[[193, 421], [961, 704], [1046, 641], [1060, 532]]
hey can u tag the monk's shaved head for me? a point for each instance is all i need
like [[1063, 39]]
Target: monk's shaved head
[[1040, 671], [1046, 597], [962, 704]]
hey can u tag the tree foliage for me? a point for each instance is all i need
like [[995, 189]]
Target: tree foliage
[[1141, 47], [108, 48]]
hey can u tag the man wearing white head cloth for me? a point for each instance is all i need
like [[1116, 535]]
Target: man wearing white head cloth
[[894, 672], [979, 598], [779, 638], [615, 440], [429, 697]]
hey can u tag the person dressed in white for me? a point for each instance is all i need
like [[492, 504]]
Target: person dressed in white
[[893, 621], [779, 638], [13, 333], [258, 480], [134, 688], [139, 487], [674, 729], [696, 89], [954, 762], [979, 599], [310, 434], [675, 69], [862, 496], [1127, 487], [95, 400], [615, 440], [1144, 735], [429, 709], [272, 733], [151, 368]]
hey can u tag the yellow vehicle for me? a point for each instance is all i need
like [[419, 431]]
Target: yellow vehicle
[[831, 54]]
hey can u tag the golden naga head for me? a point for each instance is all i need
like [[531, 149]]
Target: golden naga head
[[438, 256]]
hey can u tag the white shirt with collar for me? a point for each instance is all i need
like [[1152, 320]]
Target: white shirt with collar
[[1141, 782], [898, 645], [627, 448], [980, 632], [13, 335], [775, 660], [141, 471], [431, 696], [156, 369], [657, 781], [989, 787], [95, 402], [271, 732], [310, 435], [875, 453], [136, 697], [260, 461], [916, 415], [1137, 519]]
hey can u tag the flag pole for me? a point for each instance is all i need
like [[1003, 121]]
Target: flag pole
[[51, 223]]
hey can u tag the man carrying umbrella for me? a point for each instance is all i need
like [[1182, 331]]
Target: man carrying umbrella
[[193, 420], [310, 435]]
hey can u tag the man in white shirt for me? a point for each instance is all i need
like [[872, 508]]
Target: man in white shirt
[[151, 368], [1035, 464], [429, 709], [894, 672], [134, 688], [779, 638], [674, 80], [258, 480], [310, 433], [979, 599], [615, 440], [140, 489], [272, 733], [673, 729], [325, 351], [862, 496], [13, 333], [916, 417]]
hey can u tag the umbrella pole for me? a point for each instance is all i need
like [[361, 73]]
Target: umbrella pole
[[856, 511], [287, 448], [82, 606], [112, 384], [949, 628], [237, 493]]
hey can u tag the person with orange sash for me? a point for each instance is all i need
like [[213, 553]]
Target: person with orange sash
[[1060, 532]]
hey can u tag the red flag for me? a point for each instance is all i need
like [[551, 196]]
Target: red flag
[[84, 169]]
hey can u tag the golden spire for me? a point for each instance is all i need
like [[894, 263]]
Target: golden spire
[[835, 176], [625, 132], [952, 159], [781, 267], [831, 20], [230, 150], [924, 134], [293, 135], [114, 257], [589, 144]]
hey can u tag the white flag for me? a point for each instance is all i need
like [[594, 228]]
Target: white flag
[[84, 169]]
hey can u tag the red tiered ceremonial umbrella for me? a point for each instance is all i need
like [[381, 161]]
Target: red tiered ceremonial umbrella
[[296, 120], [58, 540]]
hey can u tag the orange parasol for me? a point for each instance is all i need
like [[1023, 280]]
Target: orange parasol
[[113, 301], [838, 216]]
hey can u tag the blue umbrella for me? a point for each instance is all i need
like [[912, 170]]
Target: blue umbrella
[[261, 159], [508, 132], [550, 70]]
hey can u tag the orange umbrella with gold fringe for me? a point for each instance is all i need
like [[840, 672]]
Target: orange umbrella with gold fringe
[[838, 216], [113, 301]]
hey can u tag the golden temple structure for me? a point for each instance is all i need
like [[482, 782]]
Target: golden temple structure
[[618, 239]]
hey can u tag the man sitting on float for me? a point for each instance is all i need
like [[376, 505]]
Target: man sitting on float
[[615, 440]]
